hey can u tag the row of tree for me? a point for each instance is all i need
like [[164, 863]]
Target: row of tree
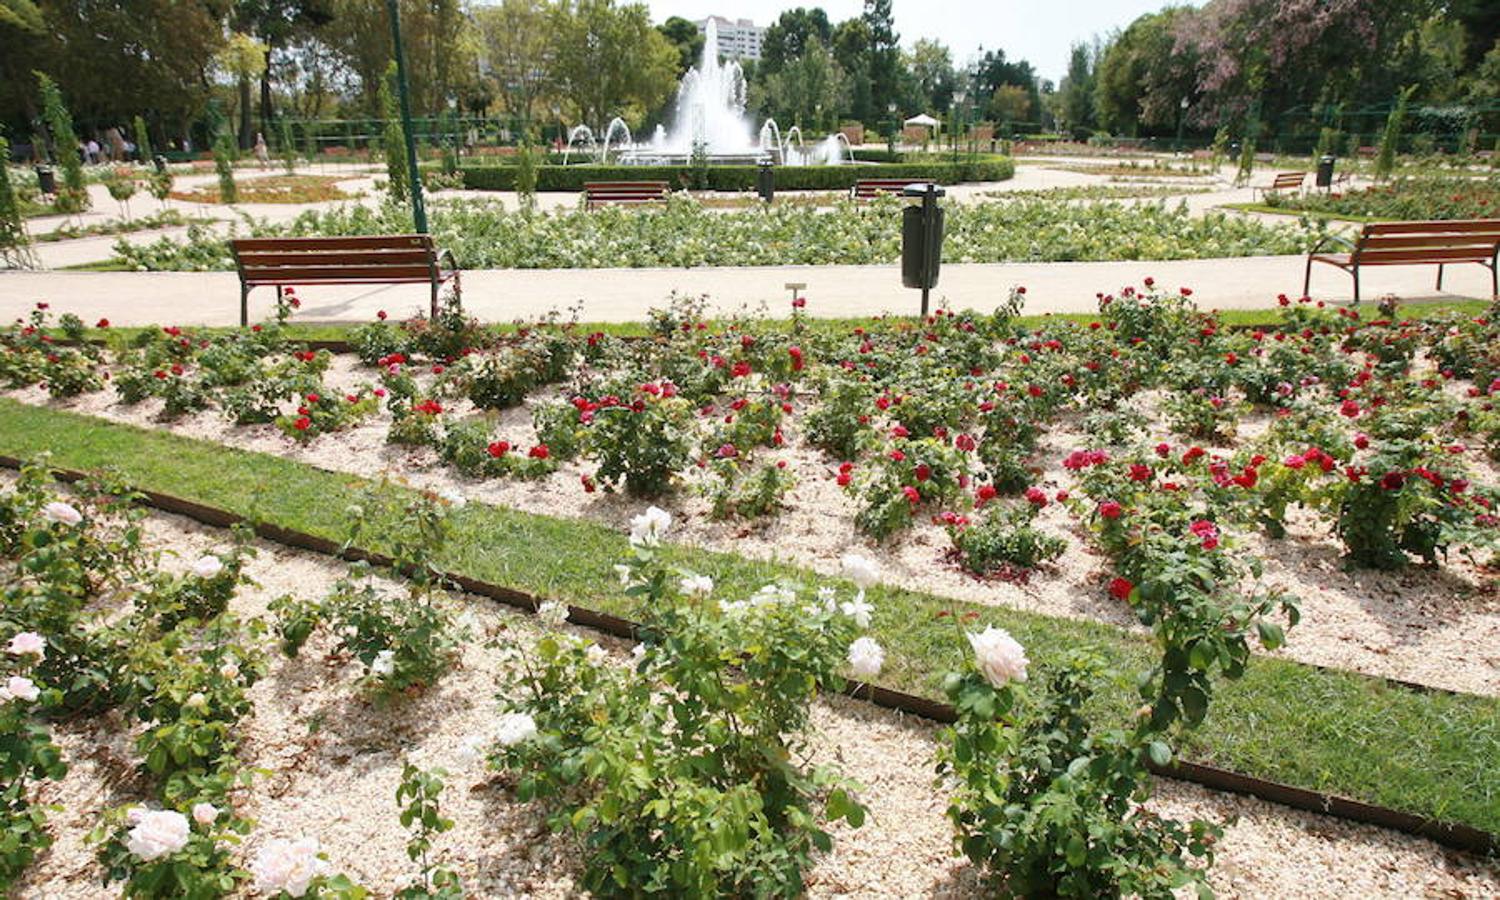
[[247, 62], [1232, 60]]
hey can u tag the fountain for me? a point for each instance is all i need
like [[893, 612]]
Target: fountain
[[580, 132], [711, 119]]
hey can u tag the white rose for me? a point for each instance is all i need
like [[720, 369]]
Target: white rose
[[1000, 658], [860, 570], [515, 728], [858, 609], [289, 866], [230, 670], [196, 701], [697, 585], [205, 813], [866, 657], [160, 832], [647, 529], [28, 643], [384, 664], [21, 688], [552, 614], [638, 652], [207, 567], [596, 654], [62, 513]]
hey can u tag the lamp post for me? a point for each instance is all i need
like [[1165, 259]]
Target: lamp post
[[953, 118], [1181, 119], [890, 143], [418, 209]]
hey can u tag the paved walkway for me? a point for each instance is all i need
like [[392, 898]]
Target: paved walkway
[[618, 295]]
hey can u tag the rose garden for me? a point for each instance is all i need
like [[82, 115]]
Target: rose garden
[[769, 584]]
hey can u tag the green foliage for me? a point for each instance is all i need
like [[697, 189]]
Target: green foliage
[[840, 424], [737, 494], [15, 240], [143, 151], [642, 446], [393, 140], [421, 791], [1404, 198], [525, 177], [677, 777], [27, 756], [1002, 538], [224, 156], [1390, 139], [72, 194], [734, 178]]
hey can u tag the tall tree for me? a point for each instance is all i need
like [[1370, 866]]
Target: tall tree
[[608, 60], [884, 58], [851, 47], [1143, 75], [787, 37], [993, 72], [244, 59], [275, 24], [809, 90], [1075, 101], [686, 37], [516, 46], [931, 66]]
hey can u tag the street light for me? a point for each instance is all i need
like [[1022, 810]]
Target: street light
[[418, 209], [958, 101], [890, 143], [1181, 118]]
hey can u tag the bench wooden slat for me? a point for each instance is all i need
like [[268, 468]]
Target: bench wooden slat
[[599, 193], [311, 274], [1432, 255], [354, 242], [1452, 226], [1402, 241]]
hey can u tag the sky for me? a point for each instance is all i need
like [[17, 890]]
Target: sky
[[1041, 31]]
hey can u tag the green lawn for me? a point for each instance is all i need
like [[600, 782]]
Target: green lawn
[[1433, 754]]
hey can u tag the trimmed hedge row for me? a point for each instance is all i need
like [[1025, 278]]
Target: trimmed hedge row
[[738, 178]]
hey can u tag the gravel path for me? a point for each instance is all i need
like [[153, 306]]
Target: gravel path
[[335, 761]]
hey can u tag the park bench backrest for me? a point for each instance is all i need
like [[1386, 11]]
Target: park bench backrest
[[1285, 180], [869, 188], [1474, 240], [598, 193], [387, 259]]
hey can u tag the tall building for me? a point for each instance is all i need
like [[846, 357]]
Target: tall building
[[738, 39]]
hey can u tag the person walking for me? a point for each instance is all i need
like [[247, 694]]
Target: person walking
[[262, 152]]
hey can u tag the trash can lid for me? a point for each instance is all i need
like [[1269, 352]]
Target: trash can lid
[[921, 189]]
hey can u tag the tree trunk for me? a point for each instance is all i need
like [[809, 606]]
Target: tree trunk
[[245, 137], [266, 113]]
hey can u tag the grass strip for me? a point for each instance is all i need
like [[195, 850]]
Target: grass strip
[[1431, 754]]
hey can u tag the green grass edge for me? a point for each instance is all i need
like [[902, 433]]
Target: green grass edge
[[1432, 754]]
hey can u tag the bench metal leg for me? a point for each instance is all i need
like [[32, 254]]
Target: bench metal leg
[[244, 304], [435, 285], [1307, 278], [1440, 277], [1356, 285]]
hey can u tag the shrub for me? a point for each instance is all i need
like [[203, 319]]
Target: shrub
[[641, 446], [737, 494], [1004, 537], [736, 178], [706, 794]]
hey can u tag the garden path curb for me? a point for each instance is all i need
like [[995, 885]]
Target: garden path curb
[[1453, 835]]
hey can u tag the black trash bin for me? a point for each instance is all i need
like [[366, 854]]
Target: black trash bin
[[921, 238], [765, 180], [46, 180], [1324, 176]]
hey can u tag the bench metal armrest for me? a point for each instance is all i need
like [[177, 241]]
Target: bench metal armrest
[[439, 255]]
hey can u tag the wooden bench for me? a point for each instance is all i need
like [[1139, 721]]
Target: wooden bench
[[375, 259], [870, 188], [1284, 181], [1412, 243], [628, 193]]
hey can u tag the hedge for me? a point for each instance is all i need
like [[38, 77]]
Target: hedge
[[738, 178]]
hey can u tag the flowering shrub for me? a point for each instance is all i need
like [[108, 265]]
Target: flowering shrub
[[1003, 538], [643, 444], [323, 414], [840, 424], [164, 853], [737, 494], [911, 473], [677, 776], [27, 755]]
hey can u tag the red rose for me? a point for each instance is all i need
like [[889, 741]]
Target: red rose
[[1120, 588], [1109, 509], [588, 484], [912, 496], [302, 424], [1036, 497], [985, 494], [102, 323], [540, 451], [923, 472], [380, 315]]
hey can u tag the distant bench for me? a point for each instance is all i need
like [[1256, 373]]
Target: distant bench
[[1284, 181], [1413, 243], [626, 193], [376, 259], [870, 188]]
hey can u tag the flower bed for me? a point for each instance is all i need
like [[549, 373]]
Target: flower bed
[[273, 189], [1406, 198], [332, 758], [684, 233]]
